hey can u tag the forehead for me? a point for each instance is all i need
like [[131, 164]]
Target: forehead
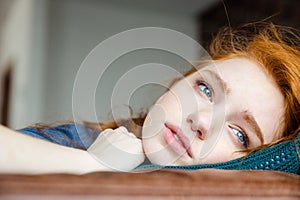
[[240, 66], [251, 89]]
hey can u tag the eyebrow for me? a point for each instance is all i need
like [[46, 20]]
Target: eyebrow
[[251, 120], [220, 80]]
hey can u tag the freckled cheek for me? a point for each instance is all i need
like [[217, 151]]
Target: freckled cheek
[[220, 150], [166, 109], [220, 154], [184, 96], [271, 129], [226, 148], [171, 104]]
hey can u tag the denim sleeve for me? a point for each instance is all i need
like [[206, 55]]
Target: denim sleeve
[[76, 136]]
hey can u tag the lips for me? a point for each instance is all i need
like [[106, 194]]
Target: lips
[[177, 140]]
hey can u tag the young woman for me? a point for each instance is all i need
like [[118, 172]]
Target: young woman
[[240, 110]]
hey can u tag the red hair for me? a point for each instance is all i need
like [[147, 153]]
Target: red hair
[[276, 50]]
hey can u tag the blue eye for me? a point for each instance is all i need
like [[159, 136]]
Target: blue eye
[[203, 87], [242, 137]]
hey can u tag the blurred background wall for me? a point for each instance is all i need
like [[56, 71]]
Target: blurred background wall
[[44, 42]]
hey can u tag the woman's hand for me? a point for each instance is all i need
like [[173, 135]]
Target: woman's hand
[[118, 149]]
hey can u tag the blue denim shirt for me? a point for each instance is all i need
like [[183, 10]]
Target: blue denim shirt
[[76, 136]]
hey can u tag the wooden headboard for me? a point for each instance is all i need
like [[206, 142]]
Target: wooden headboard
[[160, 184]]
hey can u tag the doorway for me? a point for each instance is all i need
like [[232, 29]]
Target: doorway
[[6, 94]]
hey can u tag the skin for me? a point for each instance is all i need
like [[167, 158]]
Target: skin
[[211, 118]]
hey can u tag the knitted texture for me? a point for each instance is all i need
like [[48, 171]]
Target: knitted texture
[[280, 157]]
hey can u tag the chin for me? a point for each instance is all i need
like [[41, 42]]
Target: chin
[[165, 157]]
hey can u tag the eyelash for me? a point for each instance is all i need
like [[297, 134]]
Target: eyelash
[[202, 83], [236, 132]]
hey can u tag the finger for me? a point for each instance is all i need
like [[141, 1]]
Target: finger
[[125, 131]]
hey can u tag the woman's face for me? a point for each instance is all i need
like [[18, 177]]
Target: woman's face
[[208, 116]]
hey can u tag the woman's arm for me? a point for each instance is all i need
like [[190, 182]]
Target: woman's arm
[[24, 154]]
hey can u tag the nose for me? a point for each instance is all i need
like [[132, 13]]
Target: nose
[[200, 123]]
